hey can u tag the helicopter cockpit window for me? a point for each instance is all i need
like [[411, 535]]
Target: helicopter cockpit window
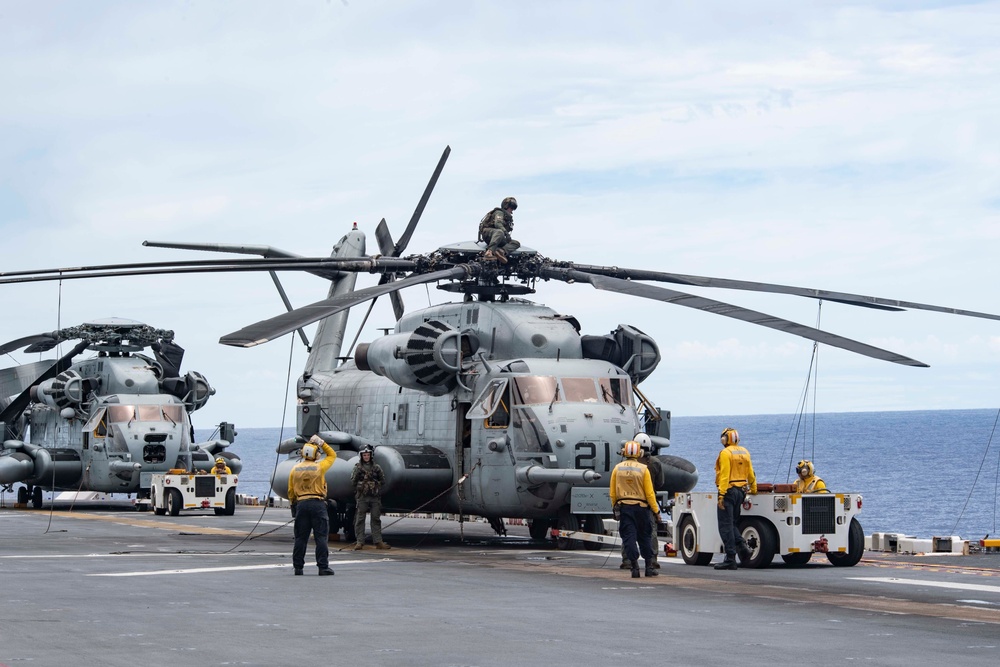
[[173, 413], [615, 390], [121, 413], [535, 389], [150, 413], [580, 390]]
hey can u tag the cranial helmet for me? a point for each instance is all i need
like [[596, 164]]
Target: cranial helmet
[[309, 451], [368, 449], [632, 449], [220, 460], [804, 468], [730, 437], [509, 201], [644, 441]]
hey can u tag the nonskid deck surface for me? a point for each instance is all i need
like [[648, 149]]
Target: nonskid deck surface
[[124, 587]]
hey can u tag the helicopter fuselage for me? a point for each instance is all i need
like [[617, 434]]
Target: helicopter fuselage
[[480, 407]]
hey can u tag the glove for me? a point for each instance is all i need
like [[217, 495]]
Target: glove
[[295, 509], [617, 511], [722, 502]]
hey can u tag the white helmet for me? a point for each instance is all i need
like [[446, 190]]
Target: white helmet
[[644, 441]]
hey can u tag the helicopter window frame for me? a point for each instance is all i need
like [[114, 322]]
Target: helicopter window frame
[[98, 424], [489, 399], [385, 420], [580, 390], [402, 416]]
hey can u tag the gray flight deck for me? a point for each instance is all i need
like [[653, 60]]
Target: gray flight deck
[[104, 585]]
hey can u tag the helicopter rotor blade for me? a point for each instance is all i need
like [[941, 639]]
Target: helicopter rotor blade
[[267, 330], [16, 379], [317, 265], [10, 414], [404, 240], [752, 286], [41, 339], [728, 310], [387, 247]]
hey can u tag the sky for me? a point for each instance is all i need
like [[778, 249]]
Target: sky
[[848, 146]]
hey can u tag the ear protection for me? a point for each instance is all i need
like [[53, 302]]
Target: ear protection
[[730, 437], [309, 451]]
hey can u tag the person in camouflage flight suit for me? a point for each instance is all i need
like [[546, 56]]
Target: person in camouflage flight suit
[[495, 229], [367, 479]]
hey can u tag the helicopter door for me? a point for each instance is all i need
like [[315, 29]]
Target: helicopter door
[[463, 446]]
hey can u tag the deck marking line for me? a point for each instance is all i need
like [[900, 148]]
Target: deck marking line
[[933, 584]]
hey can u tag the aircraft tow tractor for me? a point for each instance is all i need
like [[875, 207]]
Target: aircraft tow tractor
[[774, 522], [178, 490]]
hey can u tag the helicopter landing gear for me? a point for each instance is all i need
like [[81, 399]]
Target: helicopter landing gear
[[496, 524], [568, 522], [36, 497], [349, 515], [539, 528], [594, 524], [22, 495]]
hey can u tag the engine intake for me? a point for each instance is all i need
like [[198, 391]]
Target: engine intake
[[67, 390], [428, 359], [626, 347]]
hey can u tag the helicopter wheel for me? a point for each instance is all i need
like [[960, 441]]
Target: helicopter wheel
[[22, 495], [36, 497], [594, 524], [539, 528], [568, 521], [349, 523]]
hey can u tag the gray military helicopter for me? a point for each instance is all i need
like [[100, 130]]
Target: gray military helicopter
[[490, 405], [106, 423]]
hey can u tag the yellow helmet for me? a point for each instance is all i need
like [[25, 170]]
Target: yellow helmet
[[806, 467], [309, 451], [220, 460], [632, 449], [730, 437]]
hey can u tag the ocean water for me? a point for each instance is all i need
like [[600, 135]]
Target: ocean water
[[922, 473]]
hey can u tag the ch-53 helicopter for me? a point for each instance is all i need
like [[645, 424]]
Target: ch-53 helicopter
[[490, 405], [106, 423]]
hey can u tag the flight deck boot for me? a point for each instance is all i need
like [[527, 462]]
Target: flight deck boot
[[728, 564], [635, 569], [650, 569]]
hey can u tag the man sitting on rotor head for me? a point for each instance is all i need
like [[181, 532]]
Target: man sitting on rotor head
[[495, 229]]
